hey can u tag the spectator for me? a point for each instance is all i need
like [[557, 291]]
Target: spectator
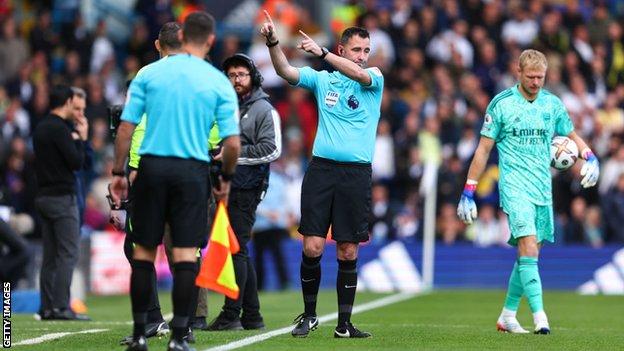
[[613, 210], [271, 228], [13, 50]]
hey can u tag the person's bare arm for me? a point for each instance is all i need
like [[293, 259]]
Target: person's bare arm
[[229, 155], [343, 65], [480, 158], [580, 143], [279, 60]]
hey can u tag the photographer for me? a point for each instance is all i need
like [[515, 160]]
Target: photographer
[[261, 143]]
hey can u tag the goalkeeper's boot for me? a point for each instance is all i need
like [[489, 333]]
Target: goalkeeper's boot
[[510, 325], [347, 330], [137, 344], [304, 323], [542, 327]]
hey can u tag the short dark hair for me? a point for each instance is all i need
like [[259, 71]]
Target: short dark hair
[[197, 27], [59, 94], [351, 31], [168, 35]]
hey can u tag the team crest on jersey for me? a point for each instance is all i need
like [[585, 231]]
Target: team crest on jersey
[[331, 99], [353, 102], [546, 117]]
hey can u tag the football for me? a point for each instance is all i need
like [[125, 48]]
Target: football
[[563, 153]]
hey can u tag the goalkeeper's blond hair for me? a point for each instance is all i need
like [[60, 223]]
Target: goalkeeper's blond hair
[[532, 59]]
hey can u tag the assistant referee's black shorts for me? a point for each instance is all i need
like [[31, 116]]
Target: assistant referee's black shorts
[[336, 193], [175, 191]]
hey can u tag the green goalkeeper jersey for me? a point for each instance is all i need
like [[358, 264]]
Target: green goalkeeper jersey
[[523, 131]]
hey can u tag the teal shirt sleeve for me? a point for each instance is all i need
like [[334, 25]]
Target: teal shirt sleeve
[[135, 102], [491, 123], [227, 112], [308, 78], [563, 124], [377, 79]]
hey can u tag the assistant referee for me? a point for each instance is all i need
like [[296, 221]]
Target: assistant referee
[[173, 181]]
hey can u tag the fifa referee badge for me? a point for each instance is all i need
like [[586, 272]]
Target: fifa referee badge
[[6, 315]]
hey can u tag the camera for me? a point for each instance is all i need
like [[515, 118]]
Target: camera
[[114, 118]]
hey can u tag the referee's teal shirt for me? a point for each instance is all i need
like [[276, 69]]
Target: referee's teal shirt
[[348, 114], [182, 96]]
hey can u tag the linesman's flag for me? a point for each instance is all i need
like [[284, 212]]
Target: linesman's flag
[[217, 269]]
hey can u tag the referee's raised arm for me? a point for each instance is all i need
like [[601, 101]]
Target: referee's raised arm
[[280, 62]]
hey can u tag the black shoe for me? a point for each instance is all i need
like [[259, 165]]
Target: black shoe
[[43, 315], [252, 324], [224, 323], [304, 325], [349, 331], [199, 323], [66, 314], [139, 344], [189, 337], [175, 345], [160, 328]]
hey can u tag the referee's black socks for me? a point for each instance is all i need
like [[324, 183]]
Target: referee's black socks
[[182, 295], [141, 285], [310, 272], [346, 283]]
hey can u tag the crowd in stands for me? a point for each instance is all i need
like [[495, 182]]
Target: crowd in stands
[[443, 61]]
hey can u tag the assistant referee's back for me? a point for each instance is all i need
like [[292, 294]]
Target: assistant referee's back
[[182, 95]]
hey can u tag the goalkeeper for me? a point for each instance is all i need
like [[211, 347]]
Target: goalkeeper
[[167, 44], [521, 121]]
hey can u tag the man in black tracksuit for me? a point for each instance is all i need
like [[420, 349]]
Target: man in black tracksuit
[[261, 143]]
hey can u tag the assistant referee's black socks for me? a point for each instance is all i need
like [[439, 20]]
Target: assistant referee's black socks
[[346, 283], [141, 285], [182, 295], [310, 272]]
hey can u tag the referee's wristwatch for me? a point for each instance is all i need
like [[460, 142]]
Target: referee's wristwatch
[[324, 52]]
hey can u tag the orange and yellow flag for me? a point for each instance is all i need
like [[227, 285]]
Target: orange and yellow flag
[[217, 269]]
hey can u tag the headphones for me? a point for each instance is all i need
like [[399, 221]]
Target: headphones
[[237, 59]]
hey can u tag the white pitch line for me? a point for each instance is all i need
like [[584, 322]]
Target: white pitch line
[[52, 336], [388, 300]]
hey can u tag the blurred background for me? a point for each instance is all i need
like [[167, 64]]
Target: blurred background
[[443, 61]]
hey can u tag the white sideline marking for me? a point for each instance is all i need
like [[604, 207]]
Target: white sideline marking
[[53, 336], [388, 300]]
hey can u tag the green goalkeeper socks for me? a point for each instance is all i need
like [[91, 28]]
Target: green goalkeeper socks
[[531, 282], [514, 290]]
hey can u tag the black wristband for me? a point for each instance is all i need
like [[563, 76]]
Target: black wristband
[[270, 45], [227, 176], [118, 174], [324, 53]]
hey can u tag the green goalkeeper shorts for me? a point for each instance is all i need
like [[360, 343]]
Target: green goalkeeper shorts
[[526, 218]]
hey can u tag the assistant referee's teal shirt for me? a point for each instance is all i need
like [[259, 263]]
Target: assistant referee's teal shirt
[[348, 114], [182, 96]]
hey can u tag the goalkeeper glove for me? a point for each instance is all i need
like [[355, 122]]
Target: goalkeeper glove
[[467, 208], [591, 169]]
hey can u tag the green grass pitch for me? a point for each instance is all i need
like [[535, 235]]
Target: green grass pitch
[[442, 320]]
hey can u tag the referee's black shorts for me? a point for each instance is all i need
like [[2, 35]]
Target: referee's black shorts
[[175, 191], [336, 193]]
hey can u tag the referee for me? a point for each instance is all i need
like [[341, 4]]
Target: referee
[[336, 189], [172, 184]]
